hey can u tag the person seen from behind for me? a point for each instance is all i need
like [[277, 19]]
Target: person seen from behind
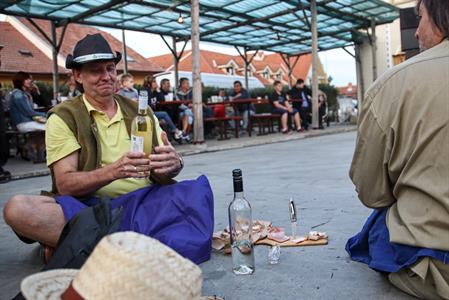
[[400, 166]]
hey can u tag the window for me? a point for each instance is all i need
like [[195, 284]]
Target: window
[[25, 52], [230, 70], [279, 76], [129, 58], [266, 75]]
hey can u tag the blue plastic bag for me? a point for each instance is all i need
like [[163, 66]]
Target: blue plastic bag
[[180, 215]]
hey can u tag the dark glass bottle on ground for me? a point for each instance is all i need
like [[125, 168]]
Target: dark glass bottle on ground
[[240, 225]]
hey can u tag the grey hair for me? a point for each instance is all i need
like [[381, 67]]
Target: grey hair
[[438, 11]]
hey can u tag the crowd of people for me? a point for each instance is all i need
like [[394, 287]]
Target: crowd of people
[[176, 118], [295, 103]]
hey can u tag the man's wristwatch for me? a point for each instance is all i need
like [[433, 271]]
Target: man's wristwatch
[[181, 162]]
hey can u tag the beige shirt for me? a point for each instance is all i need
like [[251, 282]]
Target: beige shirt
[[401, 160]]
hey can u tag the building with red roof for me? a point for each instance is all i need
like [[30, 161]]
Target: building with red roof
[[349, 91], [265, 67], [26, 49]]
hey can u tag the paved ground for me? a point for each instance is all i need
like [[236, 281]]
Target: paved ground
[[20, 168], [313, 171]]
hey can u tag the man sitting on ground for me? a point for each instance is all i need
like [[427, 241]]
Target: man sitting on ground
[[401, 165], [87, 147], [280, 105]]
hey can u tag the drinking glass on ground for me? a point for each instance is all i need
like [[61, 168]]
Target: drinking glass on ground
[[274, 254]]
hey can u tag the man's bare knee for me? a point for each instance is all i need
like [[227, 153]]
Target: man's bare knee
[[21, 208], [14, 208]]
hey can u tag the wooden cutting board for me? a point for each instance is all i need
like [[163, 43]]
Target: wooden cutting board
[[268, 242]]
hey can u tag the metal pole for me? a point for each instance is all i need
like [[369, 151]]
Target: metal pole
[[198, 130], [125, 55], [314, 64], [374, 48], [55, 60], [359, 72], [175, 63], [289, 66], [246, 69]]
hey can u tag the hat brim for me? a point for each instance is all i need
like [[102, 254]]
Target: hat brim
[[47, 285], [70, 63]]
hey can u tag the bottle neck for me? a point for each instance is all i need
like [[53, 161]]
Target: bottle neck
[[238, 195], [238, 188], [142, 112]]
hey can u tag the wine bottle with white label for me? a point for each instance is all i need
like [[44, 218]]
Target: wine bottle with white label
[[142, 127]]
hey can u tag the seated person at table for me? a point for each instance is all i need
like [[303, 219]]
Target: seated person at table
[[322, 106], [150, 85], [244, 110], [38, 98], [280, 105], [166, 95], [303, 104], [23, 116], [184, 93], [127, 87], [208, 112], [5, 176], [78, 167], [400, 166], [72, 88]]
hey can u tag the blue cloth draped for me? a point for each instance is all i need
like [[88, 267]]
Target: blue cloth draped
[[372, 246], [180, 215]]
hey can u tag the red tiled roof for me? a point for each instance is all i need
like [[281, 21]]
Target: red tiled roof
[[76, 32], [13, 61], [260, 62], [348, 91], [206, 61]]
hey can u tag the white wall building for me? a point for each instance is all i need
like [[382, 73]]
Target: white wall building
[[388, 43]]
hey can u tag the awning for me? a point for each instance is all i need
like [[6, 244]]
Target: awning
[[273, 25]]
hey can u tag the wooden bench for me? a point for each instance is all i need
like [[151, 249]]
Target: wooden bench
[[263, 121], [15, 138], [222, 125], [263, 118]]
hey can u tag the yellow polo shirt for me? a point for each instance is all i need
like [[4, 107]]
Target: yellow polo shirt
[[114, 141]]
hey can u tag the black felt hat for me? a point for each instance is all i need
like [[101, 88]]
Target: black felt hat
[[91, 47]]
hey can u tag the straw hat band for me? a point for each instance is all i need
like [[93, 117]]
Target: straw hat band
[[71, 294]]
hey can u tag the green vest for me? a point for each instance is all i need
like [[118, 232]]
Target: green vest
[[75, 114]]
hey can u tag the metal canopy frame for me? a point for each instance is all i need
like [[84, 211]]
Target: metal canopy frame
[[281, 26]]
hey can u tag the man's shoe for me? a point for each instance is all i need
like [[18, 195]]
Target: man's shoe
[[186, 137], [178, 135], [5, 176]]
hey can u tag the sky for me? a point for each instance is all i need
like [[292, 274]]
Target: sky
[[337, 63]]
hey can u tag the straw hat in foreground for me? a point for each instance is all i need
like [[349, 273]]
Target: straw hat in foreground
[[124, 265]]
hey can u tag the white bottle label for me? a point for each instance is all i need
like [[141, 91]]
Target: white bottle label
[[136, 143]]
